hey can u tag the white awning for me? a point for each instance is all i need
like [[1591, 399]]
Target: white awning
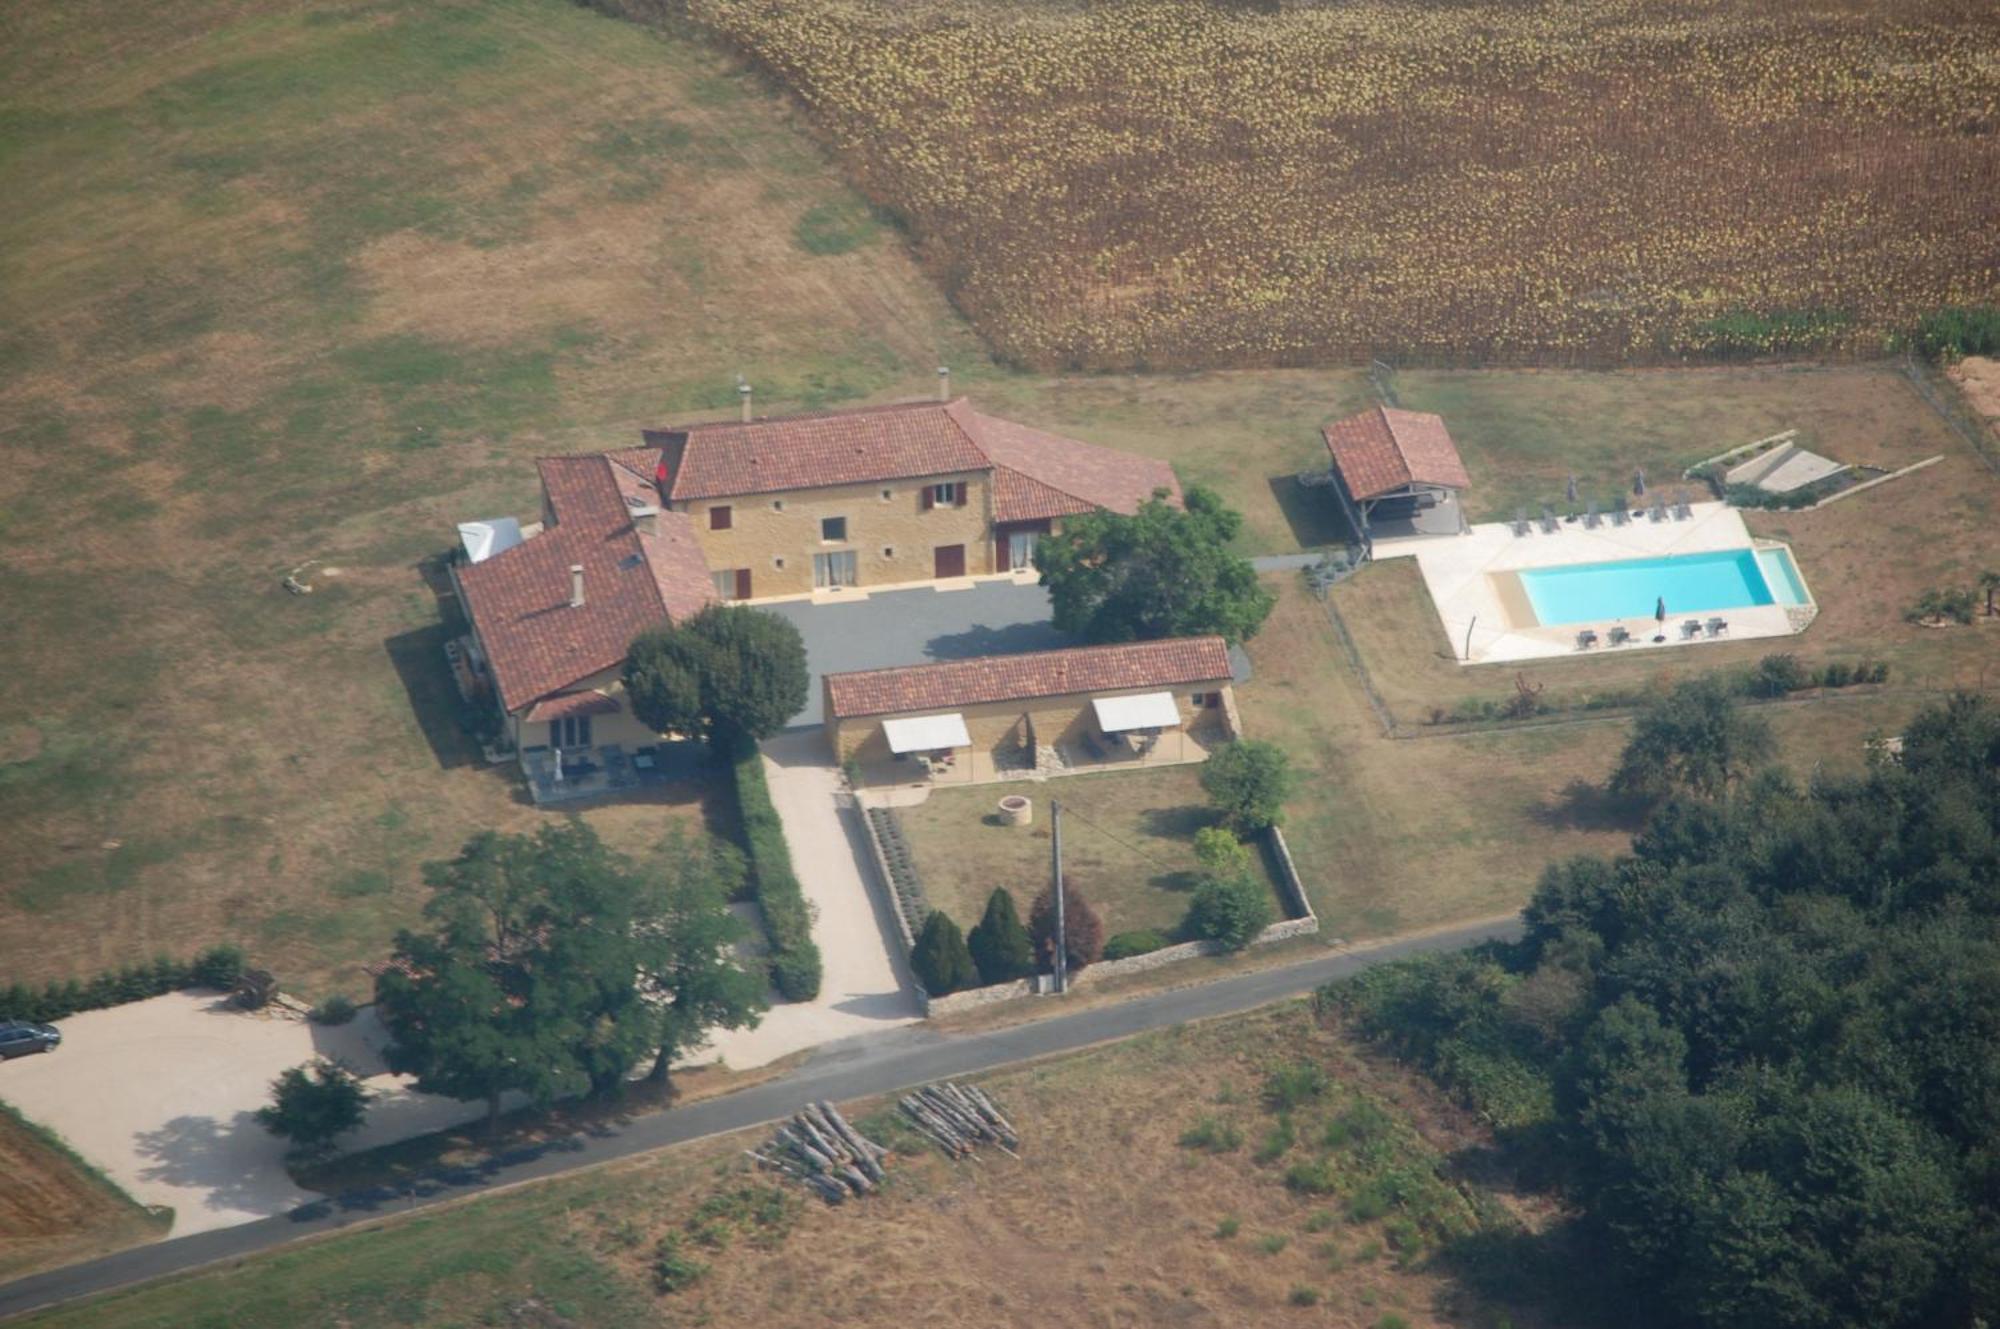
[[1148, 710], [927, 733], [484, 539]]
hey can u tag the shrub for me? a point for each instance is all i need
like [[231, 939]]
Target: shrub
[[1361, 1122], [1273, 1242], [1392, 1321], [1228, 1227], [1836, 675], [1290, 1086], [1315, 1176], [1304, 1296], [1935, 605], [673, 1268], [1959, 330], [1248, 782], [1369, 1203], [1000, 945], [1281, 1137], [1776, 675], [1213, 1135], [337, 1009], [1231, 910], [1083, 929], [312, 1108], [941, 959], [59, 1000], [795, 958], [1218, 850], [219, 966], [1125, 945]]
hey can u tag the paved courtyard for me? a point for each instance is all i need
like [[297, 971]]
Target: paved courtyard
[[858, 629]]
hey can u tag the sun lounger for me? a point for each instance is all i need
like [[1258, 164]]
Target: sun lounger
[[1658, 512], [1590, 518], [1586, 639], [1520, 521], [1620, 517], [1717, 626], [1690, 629], [1548, 520], [1682, 512], [1620, 636]]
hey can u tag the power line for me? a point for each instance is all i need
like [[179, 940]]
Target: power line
[[1070, 809]]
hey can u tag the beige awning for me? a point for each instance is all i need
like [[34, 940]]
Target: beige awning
[[927, 733], [1148, 710]]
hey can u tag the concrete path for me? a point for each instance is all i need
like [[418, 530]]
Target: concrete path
[[1285, 562], [866, 987], [162, 1094], [840, 1072]]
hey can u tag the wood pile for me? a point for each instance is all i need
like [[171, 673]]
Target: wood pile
[[822, 1152], [959, 1118]]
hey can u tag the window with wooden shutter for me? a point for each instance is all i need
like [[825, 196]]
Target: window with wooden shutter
[[720, 519]]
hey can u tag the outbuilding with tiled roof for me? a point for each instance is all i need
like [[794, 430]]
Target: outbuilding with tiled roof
[[1396, 472]]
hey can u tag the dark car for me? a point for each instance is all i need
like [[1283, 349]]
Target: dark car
[[20, 1037]]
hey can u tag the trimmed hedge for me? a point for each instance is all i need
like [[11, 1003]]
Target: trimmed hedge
[[1125, 945], [217, 967], [795, 958]]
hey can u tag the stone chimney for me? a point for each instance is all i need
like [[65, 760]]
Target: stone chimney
[[743, 395], [646, 520], [944, 382], [576, 586]]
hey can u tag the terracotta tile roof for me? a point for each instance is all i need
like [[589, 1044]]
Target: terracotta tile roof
[[565, 704], [1383, 449], [519, 599], [812, 451], [1145, 664], [1036, 474], [1039, 474]]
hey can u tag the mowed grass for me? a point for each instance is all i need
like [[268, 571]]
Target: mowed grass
[[289, 285], [1106, 1218], [1128, 846]]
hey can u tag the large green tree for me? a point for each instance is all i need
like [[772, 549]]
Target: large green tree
[[551, 965], [728, 670], [941, 959], [999, 942], [1164, 571], [1248, 782], [1696, 739], [312, 1106]]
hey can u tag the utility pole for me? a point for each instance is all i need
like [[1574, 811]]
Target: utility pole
[[1061, 963]]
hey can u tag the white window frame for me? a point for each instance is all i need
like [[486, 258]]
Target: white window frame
[[837, 568]]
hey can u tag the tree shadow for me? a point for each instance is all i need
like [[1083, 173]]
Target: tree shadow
[[1583, 806], [236, 1162], [1177, 823], [1313, 515]]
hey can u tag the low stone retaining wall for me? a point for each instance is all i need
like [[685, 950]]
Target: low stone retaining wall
[[1302, 922]]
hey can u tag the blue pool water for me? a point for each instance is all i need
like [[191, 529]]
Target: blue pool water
[[1690, 584]]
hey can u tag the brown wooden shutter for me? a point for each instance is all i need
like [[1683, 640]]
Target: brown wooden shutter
[[930, 498], [958, 493], [743, 583]]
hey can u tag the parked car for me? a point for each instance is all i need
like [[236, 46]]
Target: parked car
[[20, 1037]]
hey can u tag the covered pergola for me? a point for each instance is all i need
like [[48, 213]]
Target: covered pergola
[[1396, 474]]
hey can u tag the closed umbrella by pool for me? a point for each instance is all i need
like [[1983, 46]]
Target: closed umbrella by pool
[[1660, 616]]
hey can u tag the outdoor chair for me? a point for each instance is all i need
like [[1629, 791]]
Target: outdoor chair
[[1548, 520], [1586, 639], [1658, 512], [1590, 518], [1520, 521], [1690, 629], [1620, 517], [1717, 626], [1620, 636]]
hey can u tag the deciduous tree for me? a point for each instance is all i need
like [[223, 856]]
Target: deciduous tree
[[1248, 782], [727, 670], [1694, 738], [1082, 929], [314, 1105]]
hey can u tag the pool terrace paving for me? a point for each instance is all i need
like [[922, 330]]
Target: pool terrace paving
[[1485, 613]]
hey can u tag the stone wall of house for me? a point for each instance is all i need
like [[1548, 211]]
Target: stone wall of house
[[621, 727], [893, 535]]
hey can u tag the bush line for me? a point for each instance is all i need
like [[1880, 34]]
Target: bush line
[[1771, 677], [795, 958], [217, 967]]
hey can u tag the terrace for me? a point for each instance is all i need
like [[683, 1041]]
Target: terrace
[[1483, 584]]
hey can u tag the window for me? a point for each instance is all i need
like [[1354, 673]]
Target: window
[[777, 505], [1206, 700], [833, 529], [777, 560], [888, 494], [720, 519], [835, 570], [572, 731], [732, 584], [888, 551], [950, 494]]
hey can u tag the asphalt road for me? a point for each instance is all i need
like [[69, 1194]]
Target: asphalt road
[[839, 1072]]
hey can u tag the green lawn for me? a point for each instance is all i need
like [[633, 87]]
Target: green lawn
[[1128, 846]]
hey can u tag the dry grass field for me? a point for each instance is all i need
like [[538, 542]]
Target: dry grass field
[[1193, 183], [286, 282], [53, 1211], [1172, 1234], [1128, 846]]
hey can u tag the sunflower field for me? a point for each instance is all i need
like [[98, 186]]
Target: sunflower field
[[1181, 183]]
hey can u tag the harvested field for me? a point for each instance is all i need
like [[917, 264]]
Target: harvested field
[[1178, 1232], [1187, 183], [53, 1210]]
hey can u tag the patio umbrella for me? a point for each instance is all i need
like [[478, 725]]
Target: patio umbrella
[[1639, 482], [1660, 617], [1570, 489]]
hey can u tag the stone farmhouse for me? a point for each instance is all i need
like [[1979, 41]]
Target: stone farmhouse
[[813, 505]]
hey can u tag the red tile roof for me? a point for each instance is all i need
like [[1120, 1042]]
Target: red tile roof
[[535, 641], [1383, 449], [1145, 664], [1036, 474], [565, 704]]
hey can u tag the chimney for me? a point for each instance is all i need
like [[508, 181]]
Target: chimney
[[576, 586], [646, 520], [944, 382], [743, 395]]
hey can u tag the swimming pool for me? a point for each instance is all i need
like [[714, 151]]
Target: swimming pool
[[1689, 583]]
